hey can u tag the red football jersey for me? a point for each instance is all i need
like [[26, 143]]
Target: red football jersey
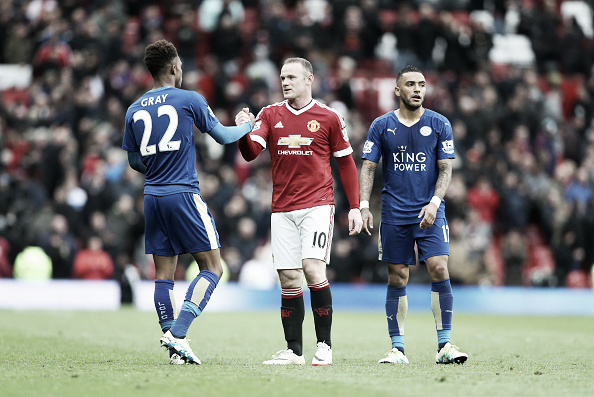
[[300, 144]]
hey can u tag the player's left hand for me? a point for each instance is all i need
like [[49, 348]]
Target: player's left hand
[[355, 222], [428, 214]]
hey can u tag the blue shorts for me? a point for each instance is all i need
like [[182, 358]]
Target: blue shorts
[[178, 223], [397, 242]]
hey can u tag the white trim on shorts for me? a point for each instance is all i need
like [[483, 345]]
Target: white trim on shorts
[[203, 211], [293, 234]]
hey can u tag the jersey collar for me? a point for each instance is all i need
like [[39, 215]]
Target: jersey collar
[[302, 110]]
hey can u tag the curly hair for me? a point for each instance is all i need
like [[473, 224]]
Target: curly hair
[[159, 55]]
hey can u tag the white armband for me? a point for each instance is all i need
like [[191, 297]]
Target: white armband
[[436, 200], [363, 204]]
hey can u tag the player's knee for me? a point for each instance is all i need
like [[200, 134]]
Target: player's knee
[[439, 272], [218, 270]]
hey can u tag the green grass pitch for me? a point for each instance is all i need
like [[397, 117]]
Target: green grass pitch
[[118, 354]]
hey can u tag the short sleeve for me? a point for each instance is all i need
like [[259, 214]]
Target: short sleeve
[[445, 143], [372, 150], [129, 143], [261, 130], [339, 138], [203, 116]]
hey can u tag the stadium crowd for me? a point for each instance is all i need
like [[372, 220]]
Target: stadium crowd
[[521, 201]]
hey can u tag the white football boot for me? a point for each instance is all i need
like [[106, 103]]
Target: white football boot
[[394, 356], [181, 346], [323, 355], [449, 354], [285, 357]]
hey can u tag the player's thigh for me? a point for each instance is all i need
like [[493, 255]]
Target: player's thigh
[[397, 244], [179, 223], [155, 228], [284, 241], [433, 241], [316, 227]]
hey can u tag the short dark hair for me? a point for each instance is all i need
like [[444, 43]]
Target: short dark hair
[[159, 55], [304, 62], [407, 69]]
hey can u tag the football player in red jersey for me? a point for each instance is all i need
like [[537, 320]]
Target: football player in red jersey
[[301, 135]]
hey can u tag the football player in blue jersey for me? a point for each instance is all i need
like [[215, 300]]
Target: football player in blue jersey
[[158, 136], [417, 149]]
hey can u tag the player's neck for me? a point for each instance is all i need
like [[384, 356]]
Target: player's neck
[[299, 103], [407, 116], [160, 83]]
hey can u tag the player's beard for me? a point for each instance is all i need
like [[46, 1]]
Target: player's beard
[[410, 107]]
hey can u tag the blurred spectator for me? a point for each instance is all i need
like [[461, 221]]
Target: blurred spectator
[[484, 199], [32, 264], [210, 12], [515, 253], [60, 245], [465, 264], [426, 32], [225, 41], [515, 206], [92, 262], [5, 265], [19, 45], [244, 238]]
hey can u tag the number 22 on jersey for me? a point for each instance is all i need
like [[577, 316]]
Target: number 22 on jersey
[[165, 144]]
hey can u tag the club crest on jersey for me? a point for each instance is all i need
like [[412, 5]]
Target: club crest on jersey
[[294, 141], [313, 125], [425, 131]]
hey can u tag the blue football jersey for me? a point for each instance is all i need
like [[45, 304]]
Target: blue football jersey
[[159, 125], [409, 163]]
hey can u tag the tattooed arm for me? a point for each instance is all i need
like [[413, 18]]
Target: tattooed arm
[[365, 185], [441, 187]]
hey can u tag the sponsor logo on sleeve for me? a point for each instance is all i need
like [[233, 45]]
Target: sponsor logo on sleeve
[[257, 125], [367, 147], [448, 146]]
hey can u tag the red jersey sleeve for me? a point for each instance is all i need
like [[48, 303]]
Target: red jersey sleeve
[[339, 139], [348, 177]]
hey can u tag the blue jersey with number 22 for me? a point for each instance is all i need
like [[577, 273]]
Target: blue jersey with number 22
[[159, 125], [409, 166]]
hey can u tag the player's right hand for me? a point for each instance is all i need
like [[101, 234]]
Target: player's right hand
[[355, 222], [367, 220], [244, 116]]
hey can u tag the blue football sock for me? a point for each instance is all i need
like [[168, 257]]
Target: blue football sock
[[197, 297], [442, 304], [398, 342], [396, 309], [164, 303]]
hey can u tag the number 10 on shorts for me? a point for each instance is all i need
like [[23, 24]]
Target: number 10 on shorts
[[319, 239]]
